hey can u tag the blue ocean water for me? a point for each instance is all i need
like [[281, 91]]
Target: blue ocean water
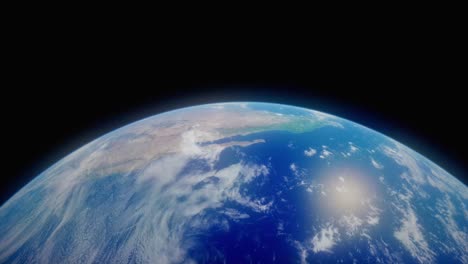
[[264, 238]]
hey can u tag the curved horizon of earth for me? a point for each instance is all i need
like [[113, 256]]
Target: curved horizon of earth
[[235, 183]]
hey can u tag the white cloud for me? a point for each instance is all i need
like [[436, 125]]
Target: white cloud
[[376, 164], [373, 216], [196, 201], [411, 236], [293, 167], [303, 252], [445, 182], [447, 211], [325, 152], [352, 224], [406, 158], [352, 147], [320, 188], [325, 239], [310, 152], [320, 115], [163, 170], [170, 208], [235, 215], [297, 172], [250, 172], [435, 182], [366, 236], [329, 119], [189, 146], [372, 220]]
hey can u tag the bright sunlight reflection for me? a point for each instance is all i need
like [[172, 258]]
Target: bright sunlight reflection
[[346, 191]]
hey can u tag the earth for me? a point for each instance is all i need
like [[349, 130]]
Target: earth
[[239, 183]]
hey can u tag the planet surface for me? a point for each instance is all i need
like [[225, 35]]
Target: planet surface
[[239, 183]]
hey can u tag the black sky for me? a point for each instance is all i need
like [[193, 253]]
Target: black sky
[[67, 92]]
